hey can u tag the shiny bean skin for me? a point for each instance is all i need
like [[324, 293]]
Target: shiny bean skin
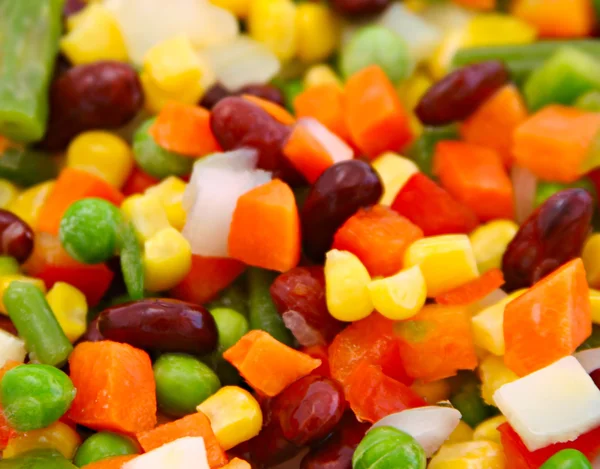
[[456, 96], [16, 236], [101, 95], [338, 193], [359, 7], [162, 325], [264, 91], [213, 95], [92, 333], [552, 235]]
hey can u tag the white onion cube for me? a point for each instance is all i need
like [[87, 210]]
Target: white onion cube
[[11, 348], [184, 453]]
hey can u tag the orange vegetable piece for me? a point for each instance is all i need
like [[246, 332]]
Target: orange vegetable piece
[[319, 352], [72, 185], [374, 115], [474, 290], [437, 342], [237, 463], [326, 104], [277, 112], [184, 129], [206, 278], [268, 365], [494, 122], [115, 387], [554, 142], [137, 182], [379, 227], [265, 229], [477, 4], [196, 424], [557, 18], [475, 176], [549, 321], [114, 462]]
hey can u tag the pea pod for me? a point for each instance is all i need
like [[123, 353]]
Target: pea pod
[[26, 167], [388, 448], [567, 459], [38, 459]]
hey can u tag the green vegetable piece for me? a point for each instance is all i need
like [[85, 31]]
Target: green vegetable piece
[[183, 382], [234, 297], [545, 189], [104, 445], [155, 160], [567, 459], [593, 341], [26, 167], [34, 396], [89, 230], [31, 314], [377, 45], [9, 265], [564, 77], [589, 101], [423, 149], [38, 459], [231, 326], [132, 265], [388, 448], [28, 47], [263, 314], [471, 405], [290, 89]]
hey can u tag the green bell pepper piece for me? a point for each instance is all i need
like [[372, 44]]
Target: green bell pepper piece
[[132, 266]]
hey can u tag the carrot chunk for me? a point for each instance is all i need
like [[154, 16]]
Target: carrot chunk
[[557, 18], [474, 290], [279, 113]]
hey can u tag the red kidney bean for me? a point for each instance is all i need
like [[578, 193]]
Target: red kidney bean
[[264, 91], [92, 333], [595, 375], [7, 325], [213, 95], [163, 325], [552, 235], [73, 6], [337, 451], [300, 294], [16, 236], [359, 7], [456, 96], [338, 193], [101, 95]]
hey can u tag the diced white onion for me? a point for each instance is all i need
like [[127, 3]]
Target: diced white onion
[[447, 16], [525, 184], [589, 359], [185, 453], [11, 348]]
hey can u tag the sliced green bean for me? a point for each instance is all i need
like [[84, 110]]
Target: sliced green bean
[[131, 262], [26, 167]]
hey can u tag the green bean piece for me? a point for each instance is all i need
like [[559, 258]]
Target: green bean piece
[[38, 459], [567, 459], [471, 405], [26, 167], [9, 265], [104, 445], [388, 448], [35, 396], [263, 314], [545, 189], [423, 149], [31, 314], [589, 101], [132, 266], [234, 297]]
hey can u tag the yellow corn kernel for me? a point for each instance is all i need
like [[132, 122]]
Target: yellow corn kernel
[[412, 90], [415, 5], [273, 22], [347, 286], [394, 170], [595, 301], [167, 259], [234, 414], [434, 391], [489, 242], [94, 35], [8, 193], [488, 325], [28, 203], [239, 8], [147, 215], [155, 98], [70, 308], [488, 429], [101, 153], [496, 29], [318, 32], [446, 261], [494, 374], [170, 193], [400, 296], [461, 433], [469, 455], [439, 63], [58, 436], [6, 280], [321, 75], [591, 260]]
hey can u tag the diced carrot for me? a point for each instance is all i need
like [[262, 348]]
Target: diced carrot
[[115, 387], [184, 129], [477, 4], [326, 104], [114, 462], [277, 112], [494, 122], [378, 236], [549, 321], [72, 185], [374, 115], [437, 342], [432, 209], [265, 229], [137, 182], [554, 142], [196, 424], [206, 278], [557, 18], [237, 463], [475, 176], [474, 290], [268, 365]]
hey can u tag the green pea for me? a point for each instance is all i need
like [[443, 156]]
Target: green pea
[[376, 45], [38, 459], [89, 230], [155, 160], [567, 459], [471, 405], [9, 265], [234, 296], [34, 396], [231, 326], [104, 445], [388, 448], [183, 382]]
